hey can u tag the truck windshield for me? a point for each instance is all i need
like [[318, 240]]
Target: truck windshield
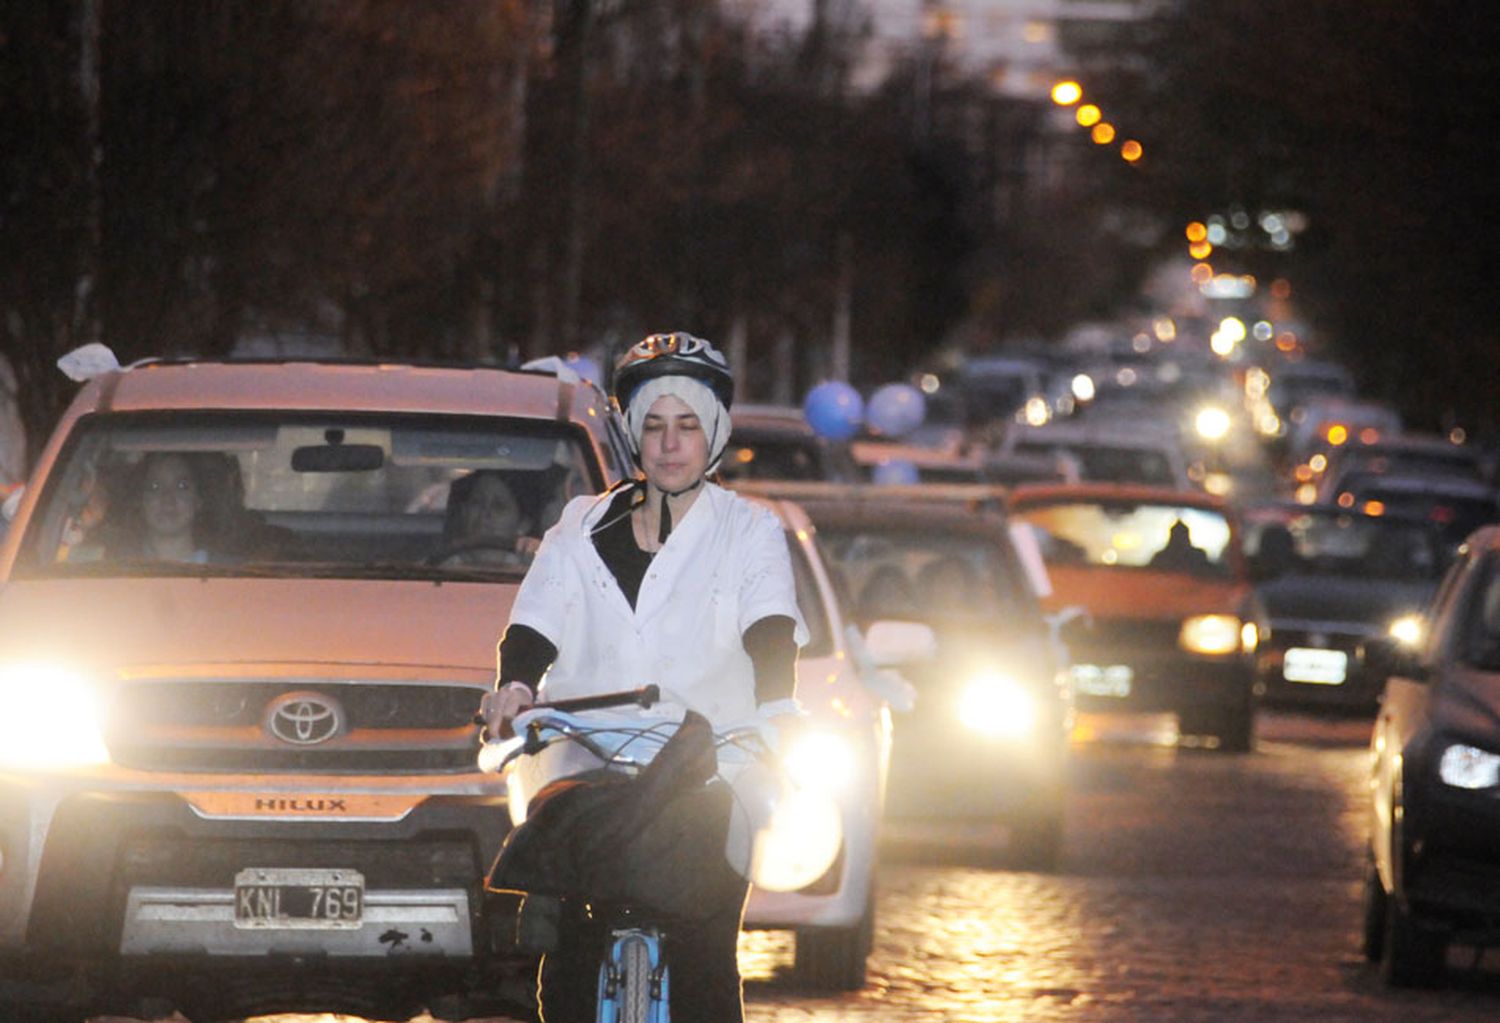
[[364, 495]]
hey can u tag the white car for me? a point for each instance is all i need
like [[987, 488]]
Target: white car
[[844, 748]]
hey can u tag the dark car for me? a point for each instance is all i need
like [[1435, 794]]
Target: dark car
[[1329, 580], [1170, 619], [1405, 454], [987, 739], [775, 442], [1434, 876], [1457, 506]]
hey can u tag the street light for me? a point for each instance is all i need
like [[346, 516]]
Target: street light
[[1088, 115], [1103, 133], [1066, 93], [1131, 151]]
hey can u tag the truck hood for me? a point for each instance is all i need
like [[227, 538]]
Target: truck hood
[[144, 626]]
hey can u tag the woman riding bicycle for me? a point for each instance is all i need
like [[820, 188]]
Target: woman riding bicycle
[[672, 580]]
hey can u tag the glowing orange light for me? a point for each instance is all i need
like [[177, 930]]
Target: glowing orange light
[[1303, 473], [1103, 133], [1374, 508], [1201, 273], [1338, 433], [1200, 250], [1369, 435], [1196, 232], [1066, 93], [1281, 288], [1286, 343], [1088, 115], [1346, 500], [1131, 151]]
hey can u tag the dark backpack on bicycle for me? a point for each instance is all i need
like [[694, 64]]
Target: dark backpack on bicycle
[[653, 841]]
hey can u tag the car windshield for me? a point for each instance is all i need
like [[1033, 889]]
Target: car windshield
[[896, 573], [1105, 464], [752, 456], [1374, 547], [1481, 640], [352, 495], [810, 603], [1131, 535]]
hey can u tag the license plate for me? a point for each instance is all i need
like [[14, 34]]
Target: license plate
[[277, 898], [1112, 680], [1315, 667]]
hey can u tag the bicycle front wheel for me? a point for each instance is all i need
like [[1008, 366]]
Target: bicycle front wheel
[[629, 988], [635, 992]]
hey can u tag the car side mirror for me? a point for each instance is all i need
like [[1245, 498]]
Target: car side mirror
[[1386, 656], [892, 643]]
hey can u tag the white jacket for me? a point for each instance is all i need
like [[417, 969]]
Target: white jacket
[[724, 567]]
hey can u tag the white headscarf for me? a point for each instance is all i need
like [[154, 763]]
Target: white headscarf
[[698, 396]]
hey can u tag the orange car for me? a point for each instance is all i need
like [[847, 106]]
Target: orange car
[[1171, 620]]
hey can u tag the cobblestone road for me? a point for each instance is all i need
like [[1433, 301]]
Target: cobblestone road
[[1194, 887]]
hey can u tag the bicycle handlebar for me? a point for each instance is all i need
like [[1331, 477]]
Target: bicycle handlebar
[[645, 697]]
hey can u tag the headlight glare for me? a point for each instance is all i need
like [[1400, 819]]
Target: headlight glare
[[1407, 630], [820, 761], [997, 705], [50, 718], [1213, 635], [1468, 767], [800, 842]]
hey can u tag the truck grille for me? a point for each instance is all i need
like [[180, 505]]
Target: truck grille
[[345, 727]]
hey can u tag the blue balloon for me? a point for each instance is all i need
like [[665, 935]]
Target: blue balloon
[[896, 410], [897, 470], [834, 410]]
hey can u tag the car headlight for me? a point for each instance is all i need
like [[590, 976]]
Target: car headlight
[[997, 705], [799, 843], [50, 718], [1468, 767], [820, 761], [1210, 634], [1212, 423], [1407, 630]]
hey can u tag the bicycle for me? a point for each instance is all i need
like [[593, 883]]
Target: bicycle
[[634, 977]]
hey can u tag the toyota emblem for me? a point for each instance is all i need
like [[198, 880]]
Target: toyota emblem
[[305, 719]]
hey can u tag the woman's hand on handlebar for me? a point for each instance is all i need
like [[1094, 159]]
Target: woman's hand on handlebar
[[499, 708]]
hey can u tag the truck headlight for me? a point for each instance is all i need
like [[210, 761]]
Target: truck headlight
[[50, 718], [1213, 635], [820, 761], [1468, 767], [997, 705]]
